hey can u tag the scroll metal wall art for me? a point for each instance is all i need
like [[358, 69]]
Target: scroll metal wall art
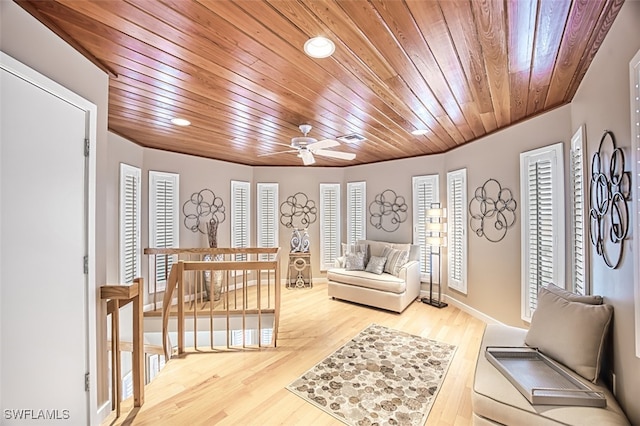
[[298, 211], [493, 211], [387, 211], [609, 193], [203, 207]]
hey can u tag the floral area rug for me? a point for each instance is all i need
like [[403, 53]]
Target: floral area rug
[[380, 377]]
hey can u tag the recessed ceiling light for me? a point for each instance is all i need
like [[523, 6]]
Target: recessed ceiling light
[[419, 132], [180, 122], [319, 47]]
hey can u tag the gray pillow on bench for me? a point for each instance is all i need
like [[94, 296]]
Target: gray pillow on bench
[[572, 333]]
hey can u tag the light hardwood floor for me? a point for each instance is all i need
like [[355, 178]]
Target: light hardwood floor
[[248, 388]]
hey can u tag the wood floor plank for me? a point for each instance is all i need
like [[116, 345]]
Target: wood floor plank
[[248, 387]]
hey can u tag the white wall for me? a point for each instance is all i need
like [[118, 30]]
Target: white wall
[[494, 272], [603, 102], [395, 175], [28, 41], [292, 180]]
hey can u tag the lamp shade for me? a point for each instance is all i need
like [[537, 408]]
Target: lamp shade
[[437, 212], [436, 241], [440, 227]]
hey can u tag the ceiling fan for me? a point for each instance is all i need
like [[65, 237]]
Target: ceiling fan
[[307, 147]]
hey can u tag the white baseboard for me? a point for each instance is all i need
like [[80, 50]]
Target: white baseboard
[[471, 311]]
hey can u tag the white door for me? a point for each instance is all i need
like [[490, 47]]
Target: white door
[[43, 318]]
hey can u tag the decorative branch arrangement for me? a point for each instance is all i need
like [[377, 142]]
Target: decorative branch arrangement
[[203, 212], [298, 206], [609, 193], [493, 211], [387, 211]]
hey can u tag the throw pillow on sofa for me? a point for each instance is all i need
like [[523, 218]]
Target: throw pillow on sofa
[[354, 261], [376, 264], [395, 260], [572, 333], [355, 248]]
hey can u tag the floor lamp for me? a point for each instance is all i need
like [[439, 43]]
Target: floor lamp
[[436, 239]]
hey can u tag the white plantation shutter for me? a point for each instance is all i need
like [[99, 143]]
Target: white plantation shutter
[[267, 216], [240, 231], [329, 224], [163, 223], [634, 71], [580, 270], [129, 223], [425, 192], [356, 211], [456, 229], [542, 193]]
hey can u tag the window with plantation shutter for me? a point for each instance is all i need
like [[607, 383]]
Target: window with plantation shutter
[[329, 224], [456, 230], [267, 216], [425, 192], [542, 200], [579, 260], [634, 71], [356, 211], [163, 224], [240, 231], [130, 178]]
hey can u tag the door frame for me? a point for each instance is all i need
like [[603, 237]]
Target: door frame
[[15, 67]]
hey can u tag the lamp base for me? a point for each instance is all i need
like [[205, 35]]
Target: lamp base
[[433, 302]]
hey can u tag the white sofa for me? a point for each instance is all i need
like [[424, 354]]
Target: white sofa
[[385, 291]]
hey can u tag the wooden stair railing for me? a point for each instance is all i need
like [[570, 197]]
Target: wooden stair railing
[[245, 294], [118, 296]]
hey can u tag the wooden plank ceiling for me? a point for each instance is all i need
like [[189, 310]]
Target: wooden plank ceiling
[[459, 69]]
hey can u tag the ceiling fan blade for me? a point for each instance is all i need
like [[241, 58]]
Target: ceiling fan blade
[[335, 154], [270, 142], [307, 157], [276, 153], [325, 143]]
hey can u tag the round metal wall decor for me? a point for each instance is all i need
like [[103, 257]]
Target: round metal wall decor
[[203, 207], [492, 210], [387, 211], [609, 192], [298, 211]]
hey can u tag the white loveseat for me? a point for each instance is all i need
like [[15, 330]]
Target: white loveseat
[[385, 291]]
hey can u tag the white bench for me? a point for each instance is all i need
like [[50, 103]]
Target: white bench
[[496, 401]]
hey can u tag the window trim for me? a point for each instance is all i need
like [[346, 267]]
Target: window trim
[[126, 171], [328, 263], [420, 220], [261, 210], [452, 283], [353, 188], [156, 285], [244, 186], [634, 96], [579, 186], [553, 153]]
